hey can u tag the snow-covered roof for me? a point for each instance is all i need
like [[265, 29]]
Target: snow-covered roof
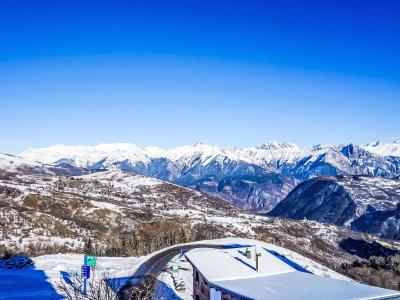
[[299, 285], [231, 271], [229, 264]]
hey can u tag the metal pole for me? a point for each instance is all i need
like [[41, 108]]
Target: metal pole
[[84, 280], [84, 286], [257, 262], [92, 268]]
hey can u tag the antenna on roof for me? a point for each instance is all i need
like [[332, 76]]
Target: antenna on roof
[[248, 252], [257, 260]]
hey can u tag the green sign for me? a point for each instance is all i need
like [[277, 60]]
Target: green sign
[[175, 268], [91, 260]]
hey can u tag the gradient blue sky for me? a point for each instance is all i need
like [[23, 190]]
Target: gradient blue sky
[[167, 73]]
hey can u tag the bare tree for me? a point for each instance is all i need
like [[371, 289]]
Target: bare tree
[[105, 287], [143, 290]]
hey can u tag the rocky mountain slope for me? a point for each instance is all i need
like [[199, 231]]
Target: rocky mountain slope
[[251, 178], [363, 203], [41, 209]]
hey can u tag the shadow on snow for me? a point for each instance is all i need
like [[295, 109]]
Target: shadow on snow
[[26, 283], [288, 261]]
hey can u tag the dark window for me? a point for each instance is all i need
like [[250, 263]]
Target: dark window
[[197, 297], [197, 276]]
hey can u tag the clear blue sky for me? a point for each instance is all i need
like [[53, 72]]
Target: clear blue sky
[[169, 73]]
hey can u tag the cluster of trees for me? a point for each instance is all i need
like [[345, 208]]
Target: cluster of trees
[[151, 237], [378, 271], [7, 175], [36, 249], [6, 253], [146, 239]]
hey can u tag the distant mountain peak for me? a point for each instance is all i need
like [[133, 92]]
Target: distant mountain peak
[[391, 148], [319, 147], [275, 145], [374, 144], [380, 143]]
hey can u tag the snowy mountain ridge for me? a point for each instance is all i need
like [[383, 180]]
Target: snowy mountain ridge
[[270, 151], [384, 149], [251, 177], [11, 162]]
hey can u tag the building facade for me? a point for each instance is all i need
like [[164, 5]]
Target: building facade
[[204, 290]]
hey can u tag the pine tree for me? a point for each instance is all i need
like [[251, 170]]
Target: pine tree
[[182, 236], [88, 248]]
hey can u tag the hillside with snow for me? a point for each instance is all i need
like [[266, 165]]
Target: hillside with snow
[[12, 163], [45, 209], [363, 203], [254, 178]]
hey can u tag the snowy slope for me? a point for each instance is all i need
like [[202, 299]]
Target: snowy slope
[[14, 163], [46, 210]]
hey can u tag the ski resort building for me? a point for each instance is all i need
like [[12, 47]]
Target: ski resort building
[[239, 273]]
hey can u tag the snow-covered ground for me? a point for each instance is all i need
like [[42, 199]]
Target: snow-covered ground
[[167, 289], [41, 280]]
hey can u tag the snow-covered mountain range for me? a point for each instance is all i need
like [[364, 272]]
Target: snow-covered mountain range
[[252, 177]]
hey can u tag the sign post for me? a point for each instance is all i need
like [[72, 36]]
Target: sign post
[[88, 261], [91, 262], [85, 273]]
